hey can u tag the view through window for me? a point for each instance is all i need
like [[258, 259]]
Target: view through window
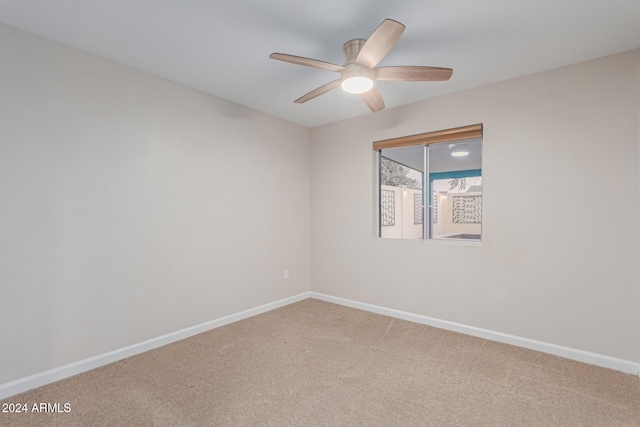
[[445, 173]]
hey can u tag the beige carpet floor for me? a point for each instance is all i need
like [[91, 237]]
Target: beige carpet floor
[[318, 364]]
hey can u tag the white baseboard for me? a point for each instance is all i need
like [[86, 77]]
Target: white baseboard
[[557, 350], [24, 384]]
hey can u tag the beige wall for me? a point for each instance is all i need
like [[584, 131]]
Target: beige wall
[[132, 207], [550, 275]]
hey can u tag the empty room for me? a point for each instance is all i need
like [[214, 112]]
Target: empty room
[[319, 213]]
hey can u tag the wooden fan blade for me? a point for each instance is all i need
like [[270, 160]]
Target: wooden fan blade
[[373, 99], [413, 74], [380, 43], [314, 63], [319, 91]]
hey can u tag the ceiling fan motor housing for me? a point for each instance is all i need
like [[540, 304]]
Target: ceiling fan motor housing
[[355, 70], [352, 49], [355, 78]]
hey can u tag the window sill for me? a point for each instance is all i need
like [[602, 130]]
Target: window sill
[[442, 241]]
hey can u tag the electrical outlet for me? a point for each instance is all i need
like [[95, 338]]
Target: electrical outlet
[[286, 275]]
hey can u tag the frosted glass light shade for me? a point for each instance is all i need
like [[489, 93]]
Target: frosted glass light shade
[[357, 84]]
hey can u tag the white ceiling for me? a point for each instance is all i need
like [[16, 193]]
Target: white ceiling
[[222, 47]]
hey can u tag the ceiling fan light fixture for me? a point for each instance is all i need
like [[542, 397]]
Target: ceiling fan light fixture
[[357, 84], [357, 79]]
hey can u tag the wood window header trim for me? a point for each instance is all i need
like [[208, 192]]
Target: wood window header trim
[[454, 134]]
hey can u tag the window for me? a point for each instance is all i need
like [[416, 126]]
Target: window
[[443, 168]]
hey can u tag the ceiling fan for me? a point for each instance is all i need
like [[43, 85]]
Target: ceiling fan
[[359, 70]]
